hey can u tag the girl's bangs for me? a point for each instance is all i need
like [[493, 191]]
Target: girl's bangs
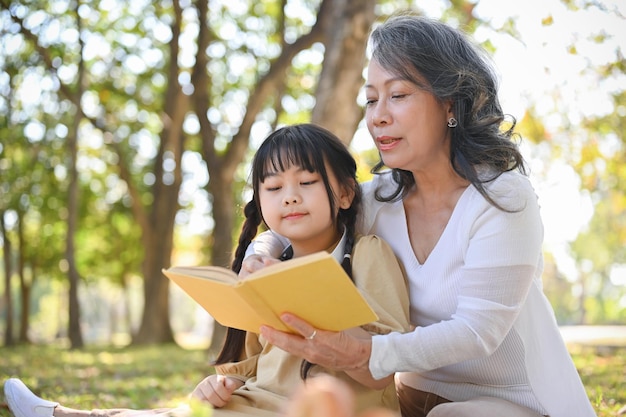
[[281, 157]]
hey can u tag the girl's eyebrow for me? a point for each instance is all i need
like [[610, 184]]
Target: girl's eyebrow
[[277, 173]]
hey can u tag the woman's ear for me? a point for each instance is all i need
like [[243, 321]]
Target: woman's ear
[[448, 105]]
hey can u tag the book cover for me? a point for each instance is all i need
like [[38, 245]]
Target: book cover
[[314, 287]]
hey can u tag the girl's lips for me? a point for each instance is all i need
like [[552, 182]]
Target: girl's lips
[[292, 216]]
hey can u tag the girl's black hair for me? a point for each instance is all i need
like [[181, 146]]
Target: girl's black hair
[[312, 148], [419, 49]]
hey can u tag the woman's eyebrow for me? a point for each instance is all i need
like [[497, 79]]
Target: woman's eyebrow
[[386, 82]]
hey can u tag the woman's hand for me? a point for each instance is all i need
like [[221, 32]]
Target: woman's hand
[[347, 351], [216, 389]]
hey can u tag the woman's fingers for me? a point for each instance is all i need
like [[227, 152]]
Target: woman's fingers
[[335, 350], [305, 329]]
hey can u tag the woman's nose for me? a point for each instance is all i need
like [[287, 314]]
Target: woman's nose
[[379, 114]]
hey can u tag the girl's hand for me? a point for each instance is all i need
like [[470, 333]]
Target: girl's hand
[[347, 351], [329, 397], [216, 389], [254, 263]]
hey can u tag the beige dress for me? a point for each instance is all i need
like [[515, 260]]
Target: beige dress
[[271, 375]]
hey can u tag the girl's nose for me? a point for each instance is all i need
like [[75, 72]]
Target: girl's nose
[[291, 199]]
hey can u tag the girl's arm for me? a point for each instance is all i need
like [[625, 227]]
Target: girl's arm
[[263, 251], [218, 389]]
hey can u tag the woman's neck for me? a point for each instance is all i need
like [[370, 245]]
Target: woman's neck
[[437, 188]]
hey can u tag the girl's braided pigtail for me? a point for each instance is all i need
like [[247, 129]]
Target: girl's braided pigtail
[[235, 338]]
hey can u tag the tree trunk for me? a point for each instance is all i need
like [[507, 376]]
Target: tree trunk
[[155, 326], [341, 78], [6, 252], [74, 332], [343, 26], [223, 205], [158, 226], [25, 288], [158, 236], [221, 168]]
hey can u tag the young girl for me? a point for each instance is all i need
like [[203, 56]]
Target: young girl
[[305, 188]]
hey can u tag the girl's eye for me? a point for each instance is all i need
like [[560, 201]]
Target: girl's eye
[[271, 187], [370, 101], [308, 182]]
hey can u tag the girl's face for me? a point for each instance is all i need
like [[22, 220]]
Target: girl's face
[[407, 123], [295, 204]]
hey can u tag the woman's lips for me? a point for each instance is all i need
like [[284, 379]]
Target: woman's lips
[[386, 142]]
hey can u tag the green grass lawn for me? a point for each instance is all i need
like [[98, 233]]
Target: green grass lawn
[[162, 376]]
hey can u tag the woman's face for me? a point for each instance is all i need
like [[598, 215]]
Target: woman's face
[[408, 124]]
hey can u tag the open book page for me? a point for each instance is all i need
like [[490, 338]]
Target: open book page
[[314, 287], [215, 273]]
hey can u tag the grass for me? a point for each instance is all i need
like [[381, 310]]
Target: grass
[[135, 377], [162, 376], [603, 371]]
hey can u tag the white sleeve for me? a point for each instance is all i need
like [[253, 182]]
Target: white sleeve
[[267, 243]]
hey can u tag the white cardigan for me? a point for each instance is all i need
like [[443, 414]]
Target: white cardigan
[[483, 325]]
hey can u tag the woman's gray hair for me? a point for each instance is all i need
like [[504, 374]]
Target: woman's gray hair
[[445, 62]]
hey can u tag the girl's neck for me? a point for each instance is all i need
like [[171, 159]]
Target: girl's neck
[[308, 248]]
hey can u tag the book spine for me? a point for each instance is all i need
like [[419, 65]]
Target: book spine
[[265, 312]]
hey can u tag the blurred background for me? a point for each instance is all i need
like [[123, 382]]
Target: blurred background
[[126, 129]]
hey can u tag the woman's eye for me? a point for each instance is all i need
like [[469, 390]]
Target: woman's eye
[[370, 101], [398, 96]]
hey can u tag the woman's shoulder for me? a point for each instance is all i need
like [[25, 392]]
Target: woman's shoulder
[[380, 182], [511, 189]]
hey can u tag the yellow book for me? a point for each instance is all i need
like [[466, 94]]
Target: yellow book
[[314, 287]]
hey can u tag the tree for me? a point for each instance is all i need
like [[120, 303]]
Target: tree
[[130, 92], [109, 96], [343, 48]]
